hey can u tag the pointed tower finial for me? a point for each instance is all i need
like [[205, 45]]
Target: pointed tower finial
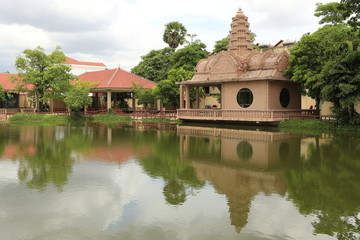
[[240, 41]]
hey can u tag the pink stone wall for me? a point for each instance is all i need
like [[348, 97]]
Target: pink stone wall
[[266, 95], [275, 88], [230, 91]]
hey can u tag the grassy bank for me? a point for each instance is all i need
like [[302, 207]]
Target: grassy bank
[[36, 118], [316, 126], [57, 119]]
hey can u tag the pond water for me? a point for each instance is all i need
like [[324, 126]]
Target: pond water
[[177, 182]]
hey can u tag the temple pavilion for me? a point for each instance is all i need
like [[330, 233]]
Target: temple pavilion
[[252, 84]]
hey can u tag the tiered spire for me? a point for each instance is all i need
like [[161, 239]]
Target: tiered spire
[[240, 41]]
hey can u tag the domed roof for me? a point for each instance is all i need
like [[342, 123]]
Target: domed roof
[[240, 62]]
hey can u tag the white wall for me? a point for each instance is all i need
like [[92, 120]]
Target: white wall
[[80, 69]]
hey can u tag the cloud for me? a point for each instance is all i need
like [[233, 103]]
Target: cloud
[[59, 16], [121, 31]]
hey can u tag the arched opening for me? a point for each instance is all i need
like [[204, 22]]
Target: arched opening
[[284, 97]]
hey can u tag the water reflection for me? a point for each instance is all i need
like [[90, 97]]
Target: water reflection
[[314, 176], [45, 154], [240, 163], [327, 184]]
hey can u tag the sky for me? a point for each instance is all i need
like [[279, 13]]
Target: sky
[[118, 32]]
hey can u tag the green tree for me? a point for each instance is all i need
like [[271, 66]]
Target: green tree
[[352, 12], [174, 34], [346, 11], [330, 13], [188, 57], [309, 56], [341, 81], [78, 96], [221, 45], [144, 96], [2, 93], [43, 76], [154, 65], [169, 92]]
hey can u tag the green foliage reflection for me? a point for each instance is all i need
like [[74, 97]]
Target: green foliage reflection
[[327, 186], [164, 161], [53, 155]]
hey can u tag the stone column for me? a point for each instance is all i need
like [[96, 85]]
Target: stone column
[[197, 103], [133, 102], [181, 96], [108, 92], [158, 104], [187, 100], [85, 109]]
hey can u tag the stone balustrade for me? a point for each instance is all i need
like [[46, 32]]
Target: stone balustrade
[[236, 115]]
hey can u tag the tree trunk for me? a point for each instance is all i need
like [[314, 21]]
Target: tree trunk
[[317, 106]]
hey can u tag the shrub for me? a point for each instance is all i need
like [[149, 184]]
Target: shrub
[[111, 117]]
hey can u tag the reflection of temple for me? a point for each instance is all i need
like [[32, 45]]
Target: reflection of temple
[[245, 163]]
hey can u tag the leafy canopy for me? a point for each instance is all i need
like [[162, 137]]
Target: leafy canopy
[[189, 56], [174, 34], [144, 96], [311, 53], [154, 65], [78, 95], [167, 91], [347, 11], [43, 76]]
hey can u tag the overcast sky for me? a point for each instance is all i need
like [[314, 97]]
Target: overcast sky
[[119, 32]]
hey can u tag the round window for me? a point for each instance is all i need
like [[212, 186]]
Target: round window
[[284, 97], [245, 97]]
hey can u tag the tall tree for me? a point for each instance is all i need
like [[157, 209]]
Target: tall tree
[[43, 76], [341, 81], [2, 93], [174, 34], [78, 96], [189, 56], [352, 12], [154, 65], [309, 56], [330, 13], [346, 11]]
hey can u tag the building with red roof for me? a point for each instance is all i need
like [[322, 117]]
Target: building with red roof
[[17, 99], [114, 81], [5, 81], [108, 84]]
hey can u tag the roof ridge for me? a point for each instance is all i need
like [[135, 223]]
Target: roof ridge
[[112, 77], [138, 76]]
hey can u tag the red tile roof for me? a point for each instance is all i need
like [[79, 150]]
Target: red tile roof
[[76, 62], [5, 81], [115, 79]]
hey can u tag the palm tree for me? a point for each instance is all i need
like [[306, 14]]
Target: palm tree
[[174, 34]]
